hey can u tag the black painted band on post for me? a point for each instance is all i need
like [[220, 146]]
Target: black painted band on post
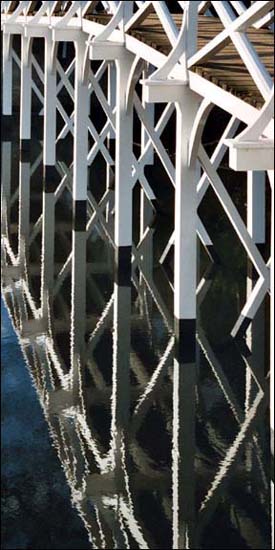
[[79, 215], [51, 179], [8, 123], [123, 265], [25, 150], [185, 340]]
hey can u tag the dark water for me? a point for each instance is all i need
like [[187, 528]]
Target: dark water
[[34, 489], [154, 454]]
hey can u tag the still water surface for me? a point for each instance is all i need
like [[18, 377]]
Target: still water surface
[[155, 454]]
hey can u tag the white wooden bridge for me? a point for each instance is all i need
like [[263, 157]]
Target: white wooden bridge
[[189, 56]]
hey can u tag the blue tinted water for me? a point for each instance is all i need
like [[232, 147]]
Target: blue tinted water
[[36, 506]]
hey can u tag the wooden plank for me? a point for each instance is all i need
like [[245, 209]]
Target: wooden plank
[[226, 67]]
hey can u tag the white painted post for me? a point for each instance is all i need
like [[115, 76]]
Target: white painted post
[[150, 111], [81, 113], [185, 278], [111, 96], [185, 284], [256, 206], [124, 143], [111, 91], [146, 210], [7, 74], [26, 89], [49, 149], [80, 173]]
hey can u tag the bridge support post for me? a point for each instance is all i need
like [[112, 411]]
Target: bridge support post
[[49, 148], [111, 135], [123, 164], [185, 275], [80, 181], [256, 229], [7, 74], [146, 209], [81, 113], [25, 93], [185, 266]]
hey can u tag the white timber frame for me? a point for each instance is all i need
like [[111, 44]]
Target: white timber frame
[[170, 79]]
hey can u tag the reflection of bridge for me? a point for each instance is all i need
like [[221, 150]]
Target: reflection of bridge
[[110, 469], [182, 59]]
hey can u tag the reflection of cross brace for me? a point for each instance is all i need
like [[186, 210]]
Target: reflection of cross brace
[[212, 503]]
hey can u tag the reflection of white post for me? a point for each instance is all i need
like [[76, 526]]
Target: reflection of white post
[[81, 113], [49, 102], [183, 454], [124, 142], [78, 309], [24, 211], [6, 184], [47, 269], [7, 74], [25, 89], [121, 372]]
